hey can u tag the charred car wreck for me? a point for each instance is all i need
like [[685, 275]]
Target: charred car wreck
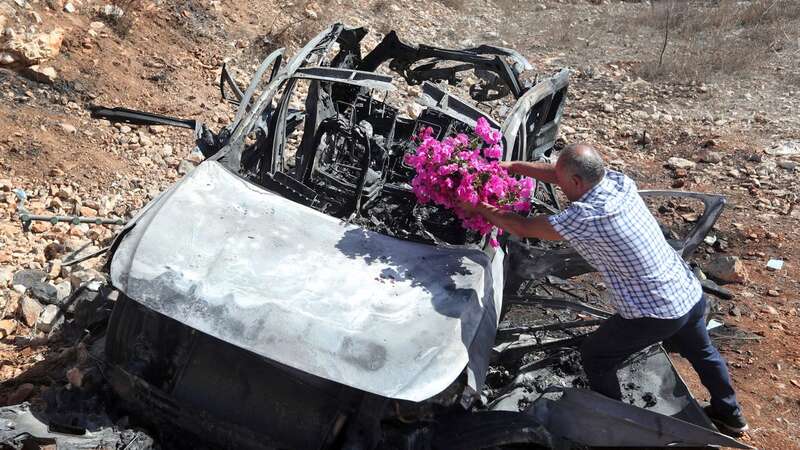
[[290, 292]]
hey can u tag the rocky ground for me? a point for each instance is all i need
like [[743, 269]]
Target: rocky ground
[[733, 132]]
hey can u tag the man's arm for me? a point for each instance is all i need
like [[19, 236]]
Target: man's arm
[[536, 227], [541, 171]]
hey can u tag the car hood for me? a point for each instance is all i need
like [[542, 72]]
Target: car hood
[[240, 263]]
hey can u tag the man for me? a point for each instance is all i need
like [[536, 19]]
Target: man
[[654, 292]]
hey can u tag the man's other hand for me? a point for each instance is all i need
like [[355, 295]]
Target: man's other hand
[[469, 208]]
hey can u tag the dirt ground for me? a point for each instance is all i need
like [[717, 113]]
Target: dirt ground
[[166, 57]]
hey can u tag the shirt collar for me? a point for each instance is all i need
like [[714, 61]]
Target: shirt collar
[[594, 189]]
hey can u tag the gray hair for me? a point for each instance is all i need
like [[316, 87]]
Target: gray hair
[[584, 161]]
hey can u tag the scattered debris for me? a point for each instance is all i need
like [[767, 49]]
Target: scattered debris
[[775, 264]]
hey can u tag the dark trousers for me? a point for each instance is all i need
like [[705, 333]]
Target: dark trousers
[[617, 338]]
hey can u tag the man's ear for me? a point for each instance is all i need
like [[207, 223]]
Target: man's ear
[[577, 182]]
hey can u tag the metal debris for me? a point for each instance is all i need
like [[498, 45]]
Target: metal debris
[[775, 264]]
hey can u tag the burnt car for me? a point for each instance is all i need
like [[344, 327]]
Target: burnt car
[[290, 292], [355, 312]]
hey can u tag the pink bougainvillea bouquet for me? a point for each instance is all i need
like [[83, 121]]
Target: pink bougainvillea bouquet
[[465, 169]]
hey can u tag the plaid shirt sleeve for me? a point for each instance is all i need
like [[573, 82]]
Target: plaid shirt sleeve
[[571, 224]]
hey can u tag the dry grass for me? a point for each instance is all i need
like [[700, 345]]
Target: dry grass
[[380, 6], [291, 28], [454, 4], [707, 38]]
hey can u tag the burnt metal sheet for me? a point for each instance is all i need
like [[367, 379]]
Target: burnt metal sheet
[[519, 60], [516, 123], [434, 97], [273, 60], [589, 418], [19, 425], [712, 209], [346, 76], [391, 317], [403, 58], [491, 429], [254, 117]]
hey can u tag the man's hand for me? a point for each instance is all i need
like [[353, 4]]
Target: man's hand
[[540, 171], [535, 227], [469, 208]]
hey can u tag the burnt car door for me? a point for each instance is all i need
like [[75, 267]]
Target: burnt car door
[[531, 129]]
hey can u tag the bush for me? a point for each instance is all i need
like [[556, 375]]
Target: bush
[[121, 24]]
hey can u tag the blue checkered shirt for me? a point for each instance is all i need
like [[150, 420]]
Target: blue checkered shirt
[[611, 228]]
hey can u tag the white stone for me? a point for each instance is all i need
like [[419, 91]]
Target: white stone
[[85, 276], [185, 167], [680, 163], [63, 290], [47, 318], [6, 275], [113, 11], [6, 58]]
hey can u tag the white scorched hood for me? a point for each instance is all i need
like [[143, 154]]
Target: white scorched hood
[[387, 316]]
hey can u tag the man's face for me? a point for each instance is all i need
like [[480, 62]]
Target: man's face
[[571, 184]]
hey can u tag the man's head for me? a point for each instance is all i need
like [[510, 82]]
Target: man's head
[[579, 168]]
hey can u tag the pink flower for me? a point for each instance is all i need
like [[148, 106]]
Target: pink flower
[[486, 133], [493, 152], [461, 169]]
